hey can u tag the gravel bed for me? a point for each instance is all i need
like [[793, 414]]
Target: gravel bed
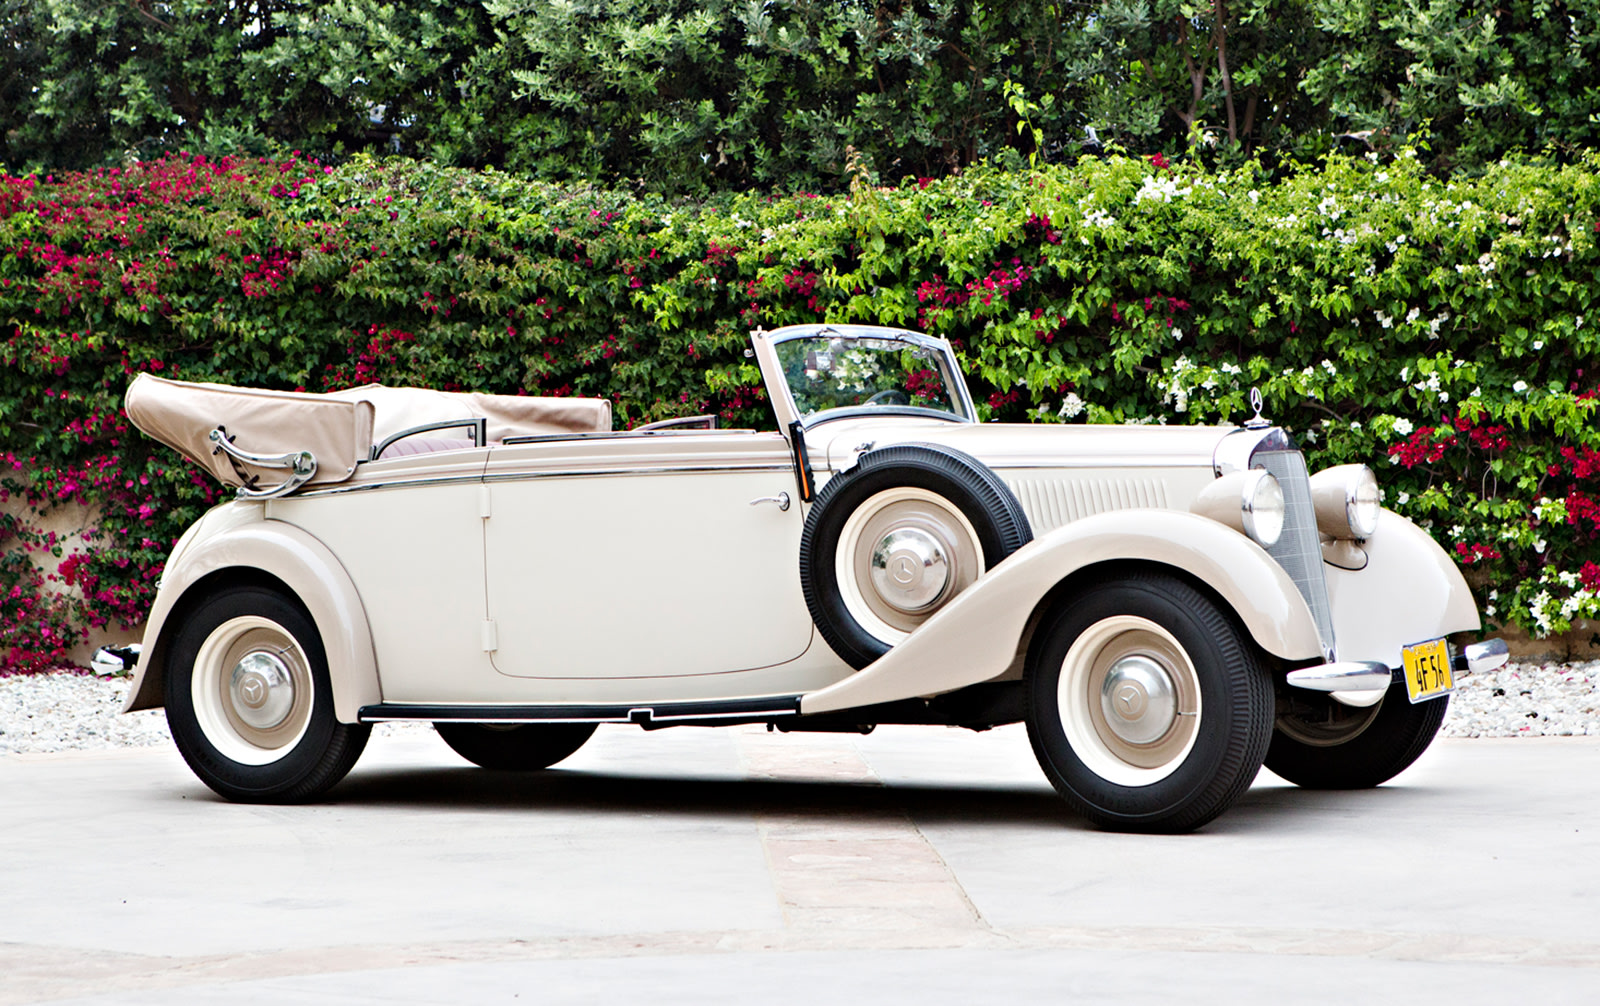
[[1526, 700], [79, 712], [74, 712]]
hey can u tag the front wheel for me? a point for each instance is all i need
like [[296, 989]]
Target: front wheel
[[1321, 743], [249, 701], [1147, 707], [515, 747]]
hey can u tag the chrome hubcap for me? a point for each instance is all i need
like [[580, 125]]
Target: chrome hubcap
[[910, 570], [1139, 700], [902, 555], [252, 690], [1129, 700], [262, 690]]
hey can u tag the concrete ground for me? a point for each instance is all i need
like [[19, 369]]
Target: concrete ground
[[700, 866]]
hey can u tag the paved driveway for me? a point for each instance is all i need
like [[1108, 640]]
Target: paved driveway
[[695, 866]]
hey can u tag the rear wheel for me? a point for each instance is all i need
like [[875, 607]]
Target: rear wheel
[[1321, 743], [249, 701], [1147, 707], [515, 747]]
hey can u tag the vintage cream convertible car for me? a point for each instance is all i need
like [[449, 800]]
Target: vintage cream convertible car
[[1164, 607]]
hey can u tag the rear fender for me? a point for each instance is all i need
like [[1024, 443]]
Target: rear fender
[[977, 636], [305, 567]]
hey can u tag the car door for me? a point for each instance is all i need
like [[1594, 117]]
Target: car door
[[642, 556]]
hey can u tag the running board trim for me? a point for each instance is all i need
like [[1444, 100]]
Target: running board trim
[[640, 713]]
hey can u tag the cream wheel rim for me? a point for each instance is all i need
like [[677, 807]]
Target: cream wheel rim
[[902, 555], [1129, 700], [252, 690]]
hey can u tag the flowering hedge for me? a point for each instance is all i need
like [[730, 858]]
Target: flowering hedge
[[1442, 331]]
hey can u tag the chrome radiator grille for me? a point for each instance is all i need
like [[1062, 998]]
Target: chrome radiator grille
[[1299, 549]]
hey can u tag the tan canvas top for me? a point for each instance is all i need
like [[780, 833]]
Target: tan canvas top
[[339, 428], [509, 415]]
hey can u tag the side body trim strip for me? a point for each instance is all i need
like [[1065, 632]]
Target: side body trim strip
[[644, 713]]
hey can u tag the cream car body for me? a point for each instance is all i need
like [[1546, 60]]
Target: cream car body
[[578, 575]]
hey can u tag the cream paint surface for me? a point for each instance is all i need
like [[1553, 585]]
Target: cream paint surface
[[645, 577]]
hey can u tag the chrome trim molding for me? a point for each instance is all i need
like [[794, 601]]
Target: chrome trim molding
[[1344, 676], [477, 424], [520, 476], [596, 472], [705, 422], [388, 484]]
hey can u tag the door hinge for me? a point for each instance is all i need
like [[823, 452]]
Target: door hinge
[[802, 462], [485, 502], [491, 636]]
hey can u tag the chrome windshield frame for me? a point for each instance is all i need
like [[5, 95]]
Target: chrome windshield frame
[[782, 397]]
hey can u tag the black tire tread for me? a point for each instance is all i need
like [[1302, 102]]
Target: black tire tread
[[1250, 694], [528, 748], [1395, 739], [305, 773]]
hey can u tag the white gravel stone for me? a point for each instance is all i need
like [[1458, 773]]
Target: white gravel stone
[[72, 711], [75, 711], [1527, 700]]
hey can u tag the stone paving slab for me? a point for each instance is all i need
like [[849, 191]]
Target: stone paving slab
[[710, 866]]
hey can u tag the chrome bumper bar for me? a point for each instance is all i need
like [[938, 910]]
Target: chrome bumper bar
[[1344, 676], [1488, 655], [1372, 676], [109, 661]]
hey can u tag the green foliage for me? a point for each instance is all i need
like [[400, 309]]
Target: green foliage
[[691, 96], [1444, 332], [1479, 79]]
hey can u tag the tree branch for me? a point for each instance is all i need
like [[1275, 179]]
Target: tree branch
[[141, 8], [1197, 75], [1219, 39]]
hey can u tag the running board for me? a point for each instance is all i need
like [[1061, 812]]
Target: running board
[[644, 714]]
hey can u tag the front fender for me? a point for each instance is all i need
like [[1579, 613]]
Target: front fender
[[975, 638], [309, 570], [1409, 592]]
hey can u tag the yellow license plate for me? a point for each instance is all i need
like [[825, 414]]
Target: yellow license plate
[[1427, 667]]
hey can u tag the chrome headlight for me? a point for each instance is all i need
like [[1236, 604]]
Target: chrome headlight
[[1347, 501], [1263, 507], [1249, 501]]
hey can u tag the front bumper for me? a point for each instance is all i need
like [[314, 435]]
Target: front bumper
[[1368, 676]]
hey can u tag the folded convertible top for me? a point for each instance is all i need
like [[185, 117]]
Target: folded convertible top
[[337, 429]]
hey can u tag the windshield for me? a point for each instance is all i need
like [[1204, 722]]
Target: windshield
[[829, 371]]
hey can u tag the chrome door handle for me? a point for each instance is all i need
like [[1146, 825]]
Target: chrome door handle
[[782, 499]]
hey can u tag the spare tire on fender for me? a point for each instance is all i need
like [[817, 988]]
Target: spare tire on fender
[[892, 540]]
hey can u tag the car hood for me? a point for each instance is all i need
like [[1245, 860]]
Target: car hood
[[1017, 445]]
